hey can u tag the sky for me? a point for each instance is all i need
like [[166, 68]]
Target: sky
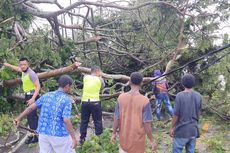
[[225, 27]]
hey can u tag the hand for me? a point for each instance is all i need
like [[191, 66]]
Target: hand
[[153, 97], [29, 102], [171, 132], [153, 146], [74, 143], [113, 138], [16, 122], [5, 64], [77, 64]]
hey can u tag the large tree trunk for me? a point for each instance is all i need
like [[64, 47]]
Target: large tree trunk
[[72, 68]]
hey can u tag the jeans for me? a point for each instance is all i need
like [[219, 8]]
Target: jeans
[[163, 97], [180, 143], [32, 117], [88, 108]]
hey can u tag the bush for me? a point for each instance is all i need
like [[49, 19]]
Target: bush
[[99, 144], [6, 124]]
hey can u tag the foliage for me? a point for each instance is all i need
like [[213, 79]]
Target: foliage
[[214, 84], [6, 124], [109, 105], [99, 144], [215, 146], [150, 34]]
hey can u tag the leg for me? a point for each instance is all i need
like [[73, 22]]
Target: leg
[[44, 145], [85, 114], [190, 146], [32, 118], [178, 144], [97, 117], [62, 144], [168, 105], [158, 110], [33, 123]]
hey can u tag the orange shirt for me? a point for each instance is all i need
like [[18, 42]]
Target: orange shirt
[[132, 133]]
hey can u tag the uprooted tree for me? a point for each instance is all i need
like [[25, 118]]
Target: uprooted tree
[[118, 36], [121, 37]]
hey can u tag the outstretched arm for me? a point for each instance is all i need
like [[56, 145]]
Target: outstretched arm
[[25, 113], [13, 67]]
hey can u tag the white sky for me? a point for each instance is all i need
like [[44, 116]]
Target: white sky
[[225, 27]]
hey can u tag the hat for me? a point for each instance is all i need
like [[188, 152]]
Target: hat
[[157, 73]]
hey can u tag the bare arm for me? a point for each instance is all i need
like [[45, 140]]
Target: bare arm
[[25, 113], [36, 93], [13, 67], [115, 125], [174, 121], [37, 89], [71, 131], [115, 128], [148, 130]]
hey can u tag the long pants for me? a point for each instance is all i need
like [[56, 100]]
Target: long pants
[[88, 108], [163, 97], [51, 144], [180, 143], [32, 117]]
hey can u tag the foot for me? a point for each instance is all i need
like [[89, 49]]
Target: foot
[[29, 139], [82, 141], [35, 139]]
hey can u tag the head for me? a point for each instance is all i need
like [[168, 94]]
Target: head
[[157, 73], [136, 79], [188, 81], [96, 70], [65, 83], [24, 64]]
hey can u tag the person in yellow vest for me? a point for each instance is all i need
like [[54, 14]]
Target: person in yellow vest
[[91, 104], [31, 88]]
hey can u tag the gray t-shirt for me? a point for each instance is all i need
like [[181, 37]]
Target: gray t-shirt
[[187, 108], [32, 74]]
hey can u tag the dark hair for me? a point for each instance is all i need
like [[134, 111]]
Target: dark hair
[[136, 78], [95, 69], [23, 59], [188, 81], [64, 80]]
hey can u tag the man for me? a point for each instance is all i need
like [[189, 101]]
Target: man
[[133, 118], [160, 89], [31, 88], [54, 126], [92, 85], [186, 114]]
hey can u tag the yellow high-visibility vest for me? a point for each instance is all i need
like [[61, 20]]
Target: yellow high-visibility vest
[[91, 88], [27, 84]]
